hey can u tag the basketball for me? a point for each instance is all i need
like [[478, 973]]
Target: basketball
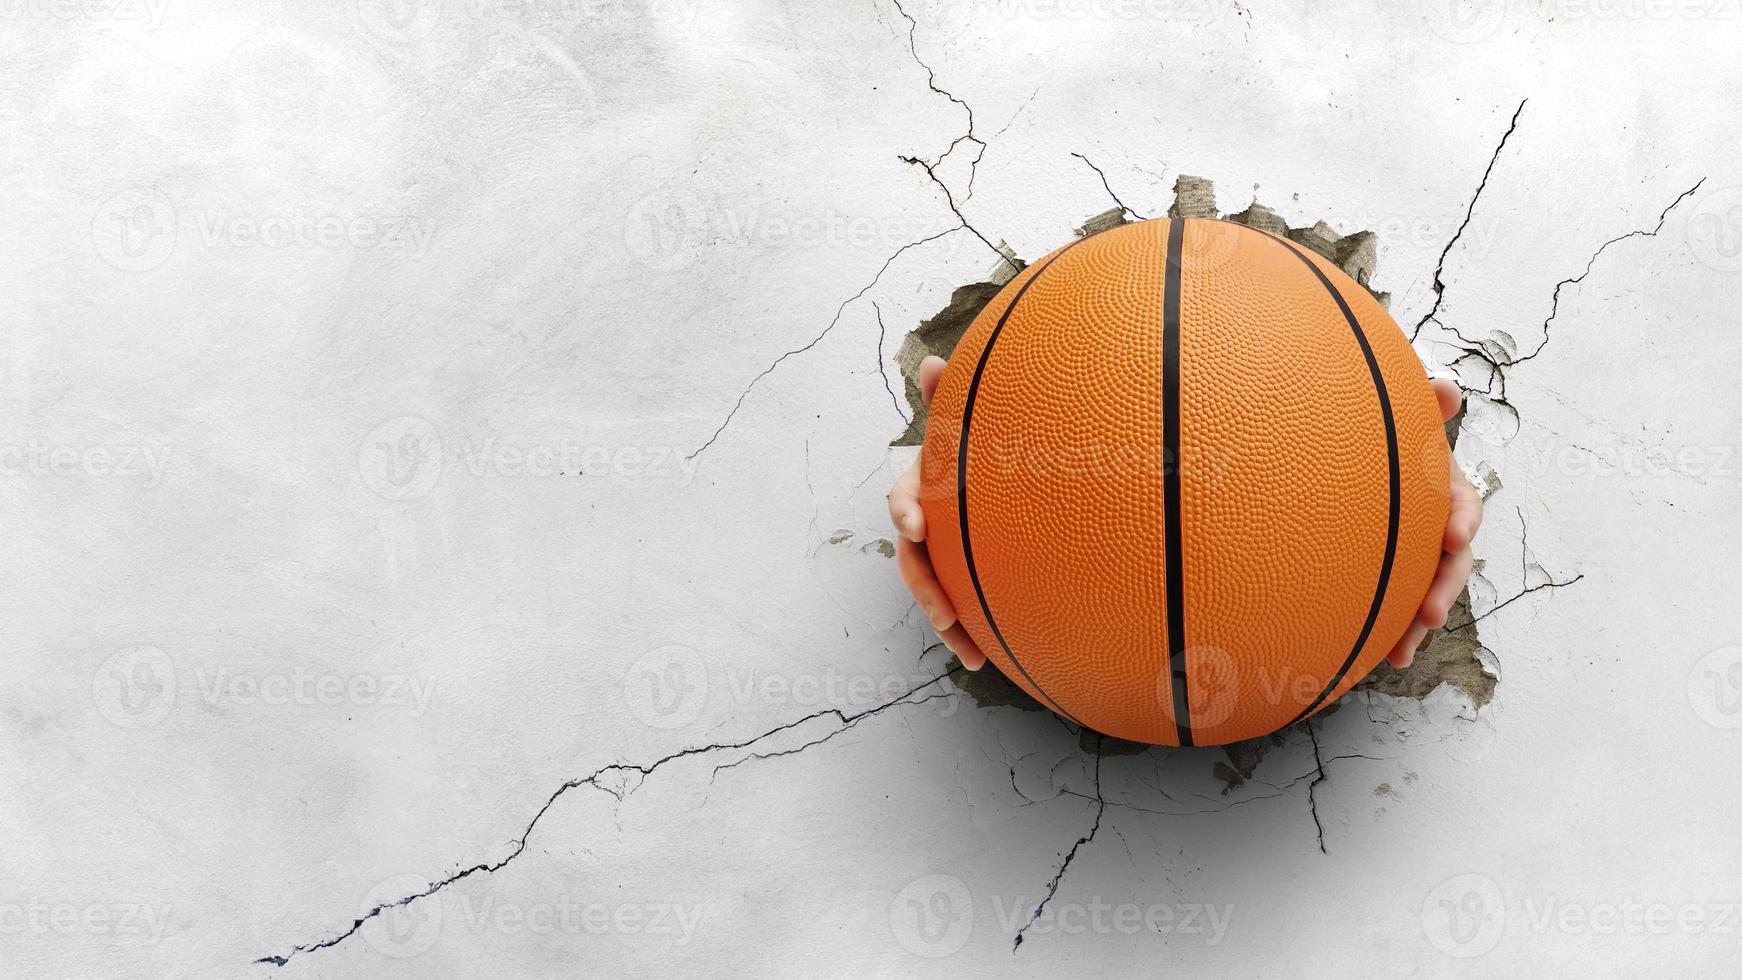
[[1185, 481]]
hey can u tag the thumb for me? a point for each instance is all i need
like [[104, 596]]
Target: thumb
[[930, 370]]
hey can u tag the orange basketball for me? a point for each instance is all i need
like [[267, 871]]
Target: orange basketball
[[1185, 481]]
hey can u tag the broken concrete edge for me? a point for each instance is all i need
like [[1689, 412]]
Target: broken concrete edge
[[1194, 197], [1442, 658]]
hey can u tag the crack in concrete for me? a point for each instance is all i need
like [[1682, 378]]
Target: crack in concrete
[[974, 168], [1525, 563], [930, 166], [1281, 789], [1242, 760], [1498, 357], [931, 81], [846, 727], [1555, 306], [1312, 787], [1109, 187], [1439, 286], [882, 334], [765, 372], [950, 200], [1053, 885], [593, 780], [1522, 593]]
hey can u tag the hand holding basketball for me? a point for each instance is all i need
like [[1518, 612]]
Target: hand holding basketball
[[911, 556], [916, 570], [1456, 558]]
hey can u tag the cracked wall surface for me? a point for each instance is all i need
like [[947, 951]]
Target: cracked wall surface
[[443, 453]]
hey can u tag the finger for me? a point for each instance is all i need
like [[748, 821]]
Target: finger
[[904, 509], [963, 646], [1403, 654], [1448, 582], [930, 370], [1451, 399], [1465, 516], [916, 573]]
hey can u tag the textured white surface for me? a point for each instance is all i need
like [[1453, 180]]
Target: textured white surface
[[356, 364]]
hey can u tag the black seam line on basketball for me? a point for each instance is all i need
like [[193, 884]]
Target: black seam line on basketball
[[1172, 546], [1395, 477], [962, 472]]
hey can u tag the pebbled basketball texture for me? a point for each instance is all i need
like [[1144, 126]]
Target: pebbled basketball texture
[[1184, 481]]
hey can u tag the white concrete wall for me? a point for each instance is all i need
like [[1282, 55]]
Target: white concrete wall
[[294, 627]]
